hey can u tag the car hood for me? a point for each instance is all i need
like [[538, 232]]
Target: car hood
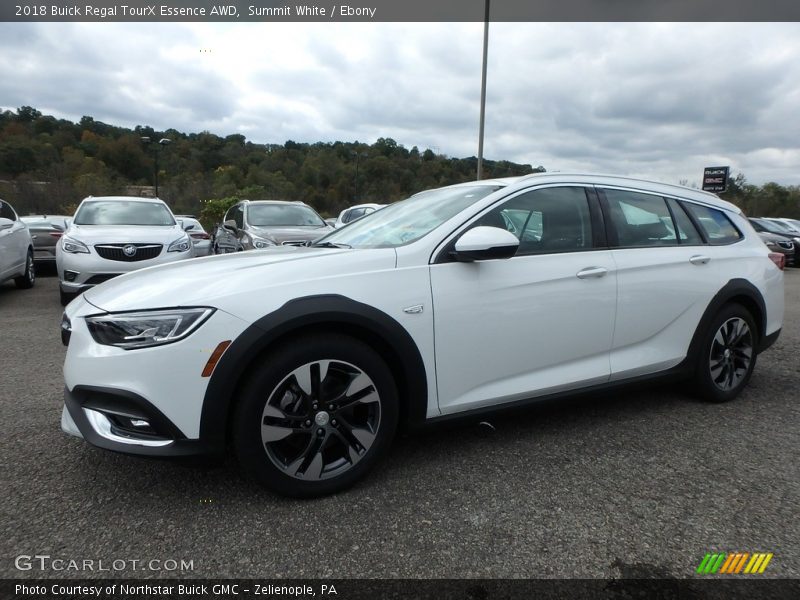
[[207, 281], [124, 234], [771, 237], [290, 234]]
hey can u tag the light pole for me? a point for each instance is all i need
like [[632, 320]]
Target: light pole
[[483, 91], [161, 142], [357, 155]]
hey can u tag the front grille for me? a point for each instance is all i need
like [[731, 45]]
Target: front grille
[[95, 279], [128, 252]]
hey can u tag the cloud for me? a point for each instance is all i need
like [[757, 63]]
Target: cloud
[[661, 100]]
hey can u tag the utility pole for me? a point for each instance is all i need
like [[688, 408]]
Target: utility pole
[[483, 91]]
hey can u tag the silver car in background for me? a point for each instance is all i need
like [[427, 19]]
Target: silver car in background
[[112, 235], [258, 224], [200, 238], [46, 231]]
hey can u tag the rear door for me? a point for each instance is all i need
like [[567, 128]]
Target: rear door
[[13, 244], [536, 323], [666, 277]]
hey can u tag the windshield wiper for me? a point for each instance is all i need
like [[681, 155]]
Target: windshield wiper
[[329, 245]]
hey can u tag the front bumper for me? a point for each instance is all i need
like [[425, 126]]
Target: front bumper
[[124, 422], [79, 272], [146, 401]]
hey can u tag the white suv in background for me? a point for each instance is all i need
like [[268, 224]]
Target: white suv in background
[[306, 360], [112, 235], [16, 249]]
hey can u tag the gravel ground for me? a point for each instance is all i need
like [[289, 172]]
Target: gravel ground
[[642, 483]]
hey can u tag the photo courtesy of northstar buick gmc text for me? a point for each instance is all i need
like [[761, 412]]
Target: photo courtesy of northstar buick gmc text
[[304, 361]]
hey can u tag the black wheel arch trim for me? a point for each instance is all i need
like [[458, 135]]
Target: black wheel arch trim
[[310, 313], [732, 291]]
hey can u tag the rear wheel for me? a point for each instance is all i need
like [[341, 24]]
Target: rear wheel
[[728, 355], [28, 278], [315, 416]]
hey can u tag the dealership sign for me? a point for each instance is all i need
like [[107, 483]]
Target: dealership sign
[[715, 179]]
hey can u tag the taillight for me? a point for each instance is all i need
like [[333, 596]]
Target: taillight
[[200, 236], [56, 234], [779, 259]]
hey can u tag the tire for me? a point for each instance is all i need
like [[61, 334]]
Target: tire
[[315, 416], [66, 297], [28, 278], [727, 355]]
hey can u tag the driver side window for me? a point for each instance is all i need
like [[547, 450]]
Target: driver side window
[[545, 221]]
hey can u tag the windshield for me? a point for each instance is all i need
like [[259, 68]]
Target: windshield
[[123, 212], [408, 220], [778, 226], [283, 215]]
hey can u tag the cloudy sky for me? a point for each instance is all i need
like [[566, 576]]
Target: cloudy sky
[[658, 100]]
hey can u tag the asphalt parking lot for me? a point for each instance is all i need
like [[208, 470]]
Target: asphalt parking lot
[[636, 484]]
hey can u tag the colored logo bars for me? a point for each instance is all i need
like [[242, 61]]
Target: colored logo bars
[[733, 563]]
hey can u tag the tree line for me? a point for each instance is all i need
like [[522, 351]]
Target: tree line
[[48, 165]]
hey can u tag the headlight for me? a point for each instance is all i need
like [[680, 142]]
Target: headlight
[[180, 245], [73, 246], [259, 242], [147, 328]]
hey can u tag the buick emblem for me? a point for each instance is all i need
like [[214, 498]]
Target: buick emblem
[[129, 250]]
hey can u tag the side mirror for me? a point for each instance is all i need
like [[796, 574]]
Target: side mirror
[[485, 243], [188, 226], [5, 223], [230, 224]]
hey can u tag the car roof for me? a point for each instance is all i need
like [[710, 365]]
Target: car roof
[[275, 202], [623, 181], [125, 198]]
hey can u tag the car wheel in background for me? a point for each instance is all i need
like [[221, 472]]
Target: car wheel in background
[[315, 416], [727, 355], [28, 278]]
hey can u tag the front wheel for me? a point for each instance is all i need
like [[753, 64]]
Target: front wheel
[[728, 355], [28, 278], [315, 416]]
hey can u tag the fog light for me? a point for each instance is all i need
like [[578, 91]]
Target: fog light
[[70, 275], [138, 423]]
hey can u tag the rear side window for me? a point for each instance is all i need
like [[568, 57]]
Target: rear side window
[[640, 219], [687, 232], [717, 226], [354, 214]]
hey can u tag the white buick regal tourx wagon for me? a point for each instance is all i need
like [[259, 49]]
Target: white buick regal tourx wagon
[[306, 360]]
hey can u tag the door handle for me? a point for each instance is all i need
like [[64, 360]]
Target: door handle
[[699, 259], [591, 272]]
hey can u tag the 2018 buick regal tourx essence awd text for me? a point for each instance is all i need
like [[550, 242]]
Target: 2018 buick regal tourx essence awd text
[[305, 361]]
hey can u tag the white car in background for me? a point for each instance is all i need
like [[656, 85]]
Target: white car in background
[[201, 240], [354, 213], [305, 360], [112, 235], [16, 249]]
